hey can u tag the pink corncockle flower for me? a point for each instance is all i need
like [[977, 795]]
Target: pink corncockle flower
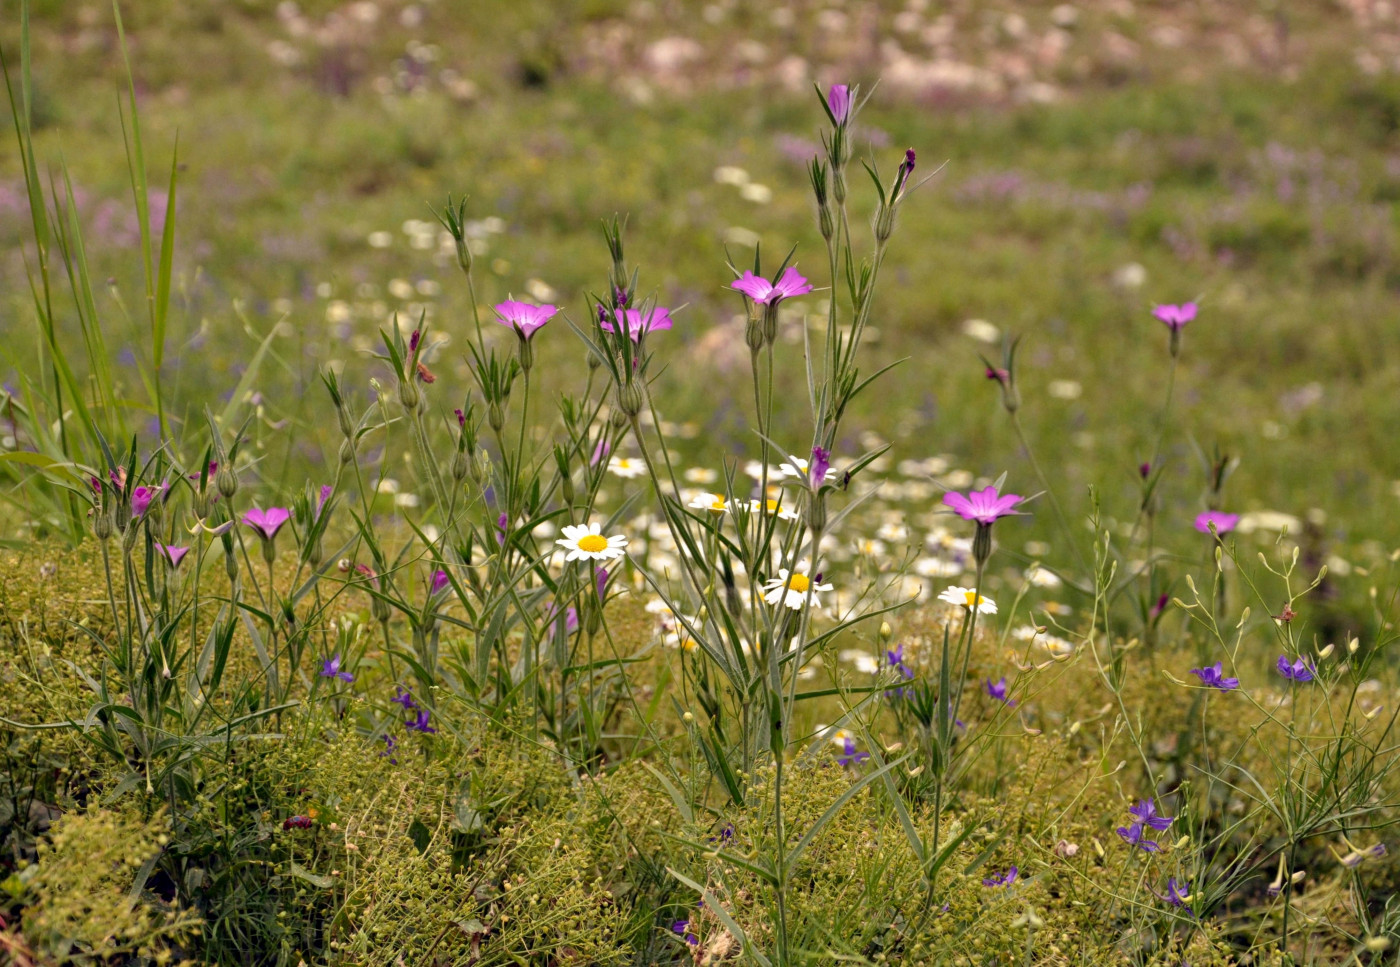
[[600, 452], [1174, 317], [439, 582], [1224, 523], [984, 507], [638, 322], [523, 317], [838, 101], [461, 419], [791, 283], [413, 340], [141, 499], [267, 522], [326, 491], [172, 554]]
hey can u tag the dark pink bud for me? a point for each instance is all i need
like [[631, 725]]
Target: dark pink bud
[[1145, 470], [461, 419], [413, 341]]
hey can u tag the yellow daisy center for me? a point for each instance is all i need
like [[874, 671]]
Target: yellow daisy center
[[771, 506], [689, 644], [716, 505], [973, 600], [593, 543], [798, 583]]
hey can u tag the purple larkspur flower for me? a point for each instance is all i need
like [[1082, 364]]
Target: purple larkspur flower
[[420, 724], [682, 928], [1177, 894], [1133, 836], [330, 668], [725, 834], [403, 697], [390, 748], [523, 317], [838, 102], [439, 583], [1298, 671], [756, 287], [503, 528], [639, 323], [1212, 676], [997, 690], [1002, 879], [1175, 316], [267, 522], [172, 554], [1224, 523], [985, 506], [851, 757], [1145, 812]]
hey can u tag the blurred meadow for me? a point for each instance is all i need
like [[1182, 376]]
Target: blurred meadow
[[1079, 166]]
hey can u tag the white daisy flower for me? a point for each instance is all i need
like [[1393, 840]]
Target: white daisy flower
[[863, 660], [797, 468], [586, 542], [755, 469], [626, 467], [791, 589], [700, 475], [714, 503], [968, 598], [772, 506]]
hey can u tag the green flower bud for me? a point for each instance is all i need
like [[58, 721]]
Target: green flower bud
[[226, 480]]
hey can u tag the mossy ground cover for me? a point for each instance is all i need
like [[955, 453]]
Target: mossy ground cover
[[406, 729]]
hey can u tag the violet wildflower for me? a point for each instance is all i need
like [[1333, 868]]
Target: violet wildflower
[[601, 583], [791, 283], [1144, 470], [600, 452], [894, 657], [403, 697], [330, 668], [997, 691], [725, 834], [838, 102], [1299, 671], [390, 749], [326, 491], [267, 522], [1159, 607], [420, 724], [906, 168], [1223, 522], [850, 757], [172, 554], [984, 507], [1133, 836], [1177, 895], [820, 464], [1212, 677], [461, 418], [682, 927], [1002, 879], [1145, 812]]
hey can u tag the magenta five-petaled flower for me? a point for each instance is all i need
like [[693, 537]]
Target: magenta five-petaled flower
[[173, 554], [267, 522], [756, 287], [639, 322], [983, 506], [1212, 676], [838, 101], [523, 317], [1297, 671], [1174, 317], [1224, 523], [439, 583], [141, 499]]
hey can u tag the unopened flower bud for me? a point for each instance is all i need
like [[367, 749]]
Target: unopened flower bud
[[495, 416], [884, 223], [347, 451], [231, 566], [316, 554], [825, 222], [408, 394], [379, 610], [753, 333], [342, 417], [1353, 645], [464, 253], [630, 399], [102, 524], [226, 480], [481, 466], [461, 466]]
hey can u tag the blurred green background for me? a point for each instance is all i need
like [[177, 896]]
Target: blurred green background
[[1092, 160]]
